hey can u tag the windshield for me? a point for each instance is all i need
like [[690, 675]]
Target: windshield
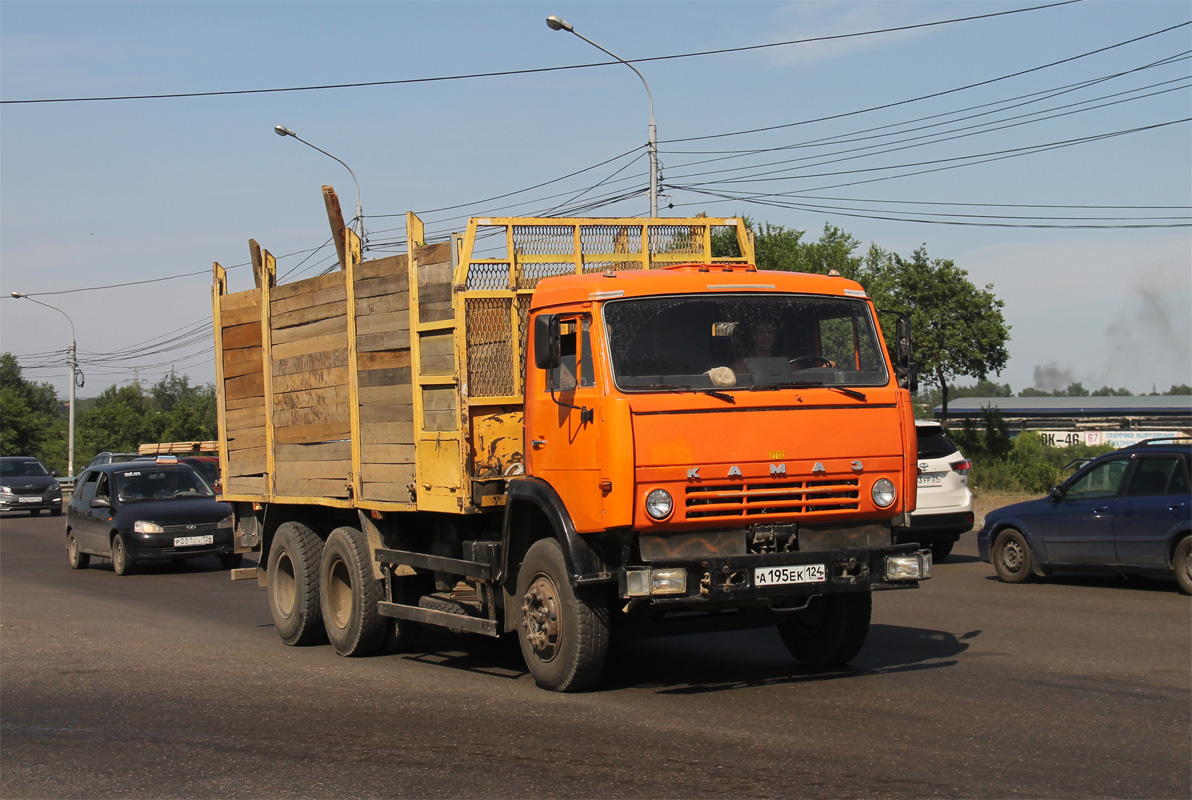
[[744, 341], [177, 483], [24, 468]]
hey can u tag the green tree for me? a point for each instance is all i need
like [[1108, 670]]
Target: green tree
[[957, 329], [121, 420], [183, 412], [28, 413], [1107, 391], [1182, 388]]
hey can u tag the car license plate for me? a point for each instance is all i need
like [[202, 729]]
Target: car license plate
[[191, 541], [931, 479], [801, 573], [28, 499]]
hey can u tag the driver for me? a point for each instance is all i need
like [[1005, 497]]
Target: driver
[[762, 337]]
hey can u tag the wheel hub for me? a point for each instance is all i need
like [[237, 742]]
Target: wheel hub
[[541, 618], [1012, 556]]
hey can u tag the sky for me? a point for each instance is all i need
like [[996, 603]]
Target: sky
[[1044, 148]]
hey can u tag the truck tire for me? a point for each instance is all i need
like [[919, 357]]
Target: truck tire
[[293, 574], [348, 594], [830, 631], [121, 563], [1012, 559], [77, 558], [563, 634]]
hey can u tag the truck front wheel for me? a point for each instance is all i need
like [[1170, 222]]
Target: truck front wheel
[[349, 594], [294, 584], [563, 634], [830, 631]]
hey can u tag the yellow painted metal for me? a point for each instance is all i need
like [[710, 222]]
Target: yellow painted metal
[[218, 290], [352, 257], [268, 277]]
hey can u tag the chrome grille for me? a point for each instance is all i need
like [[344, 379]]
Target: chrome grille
[[760, 499]]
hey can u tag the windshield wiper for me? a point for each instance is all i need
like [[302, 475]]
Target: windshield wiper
[[763, 387], [728, 398]]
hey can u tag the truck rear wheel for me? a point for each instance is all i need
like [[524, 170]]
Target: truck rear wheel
[[830, 631], [294, 584], [349, 594], [563, 634]]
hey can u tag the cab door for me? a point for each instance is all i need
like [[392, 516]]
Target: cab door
[[1079, 529], [563, 409]]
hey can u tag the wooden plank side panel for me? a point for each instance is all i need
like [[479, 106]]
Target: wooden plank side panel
[[313, 470], [315, 432], [382, 267], [383, 454], [330, 451], [310, 398], [384, 433], [306, 292], [242, 361], [309, 314], [313, 487], [394, 340], [310, 329], [237, 301], [315, 379], [394, 491], [335, 415], [246, 335], [245, 386], [242, 485], [328, 359], [317, 344]]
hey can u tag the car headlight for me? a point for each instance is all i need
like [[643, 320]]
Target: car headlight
[[884, 493], [6, 489], [228, 522], [659, 504], [145, 526]]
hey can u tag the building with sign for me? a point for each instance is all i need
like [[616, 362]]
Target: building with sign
[[1064, 421]]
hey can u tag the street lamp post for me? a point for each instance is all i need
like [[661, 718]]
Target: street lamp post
[[74, 370], [556, 24], [282, 130]]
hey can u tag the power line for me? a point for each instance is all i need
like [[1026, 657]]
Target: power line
[[506, 73]]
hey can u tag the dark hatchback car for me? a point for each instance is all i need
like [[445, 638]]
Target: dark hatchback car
[[26, 485], [1129, 511], [146, 511]]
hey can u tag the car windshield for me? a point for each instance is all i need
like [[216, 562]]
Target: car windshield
[[179, 483], [743, 341], [22, 468]]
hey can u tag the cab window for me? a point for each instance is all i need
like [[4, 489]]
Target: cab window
[[1101, 481], [576, 349]]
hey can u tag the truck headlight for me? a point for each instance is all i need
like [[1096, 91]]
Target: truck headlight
[[911, 567], [144, 526], [659, 504], [884, 493], [645, 582]]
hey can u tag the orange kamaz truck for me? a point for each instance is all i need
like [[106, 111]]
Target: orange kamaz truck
[[565, 430]]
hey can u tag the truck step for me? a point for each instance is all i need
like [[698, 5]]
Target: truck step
[[456, 622]]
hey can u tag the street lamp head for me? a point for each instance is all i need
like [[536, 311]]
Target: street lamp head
[[556, 24], [282, 130], [17, 295]]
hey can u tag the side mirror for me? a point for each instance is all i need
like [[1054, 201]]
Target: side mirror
[[1056, 494], [548, 349], [904, 368], [99, 502], [55, 473]]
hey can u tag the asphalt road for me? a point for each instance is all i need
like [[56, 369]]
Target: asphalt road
[[171, 682]]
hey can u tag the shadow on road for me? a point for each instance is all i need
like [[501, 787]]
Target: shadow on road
[[712, 662]]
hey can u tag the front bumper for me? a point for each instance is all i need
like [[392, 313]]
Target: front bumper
[[760, 579], [956, 522], [163, 547], [23, 502]]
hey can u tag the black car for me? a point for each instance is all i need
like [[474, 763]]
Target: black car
[[26, 485], [147, 511], [1129, 511]]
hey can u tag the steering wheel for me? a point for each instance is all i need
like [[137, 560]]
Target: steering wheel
[[804, 362]]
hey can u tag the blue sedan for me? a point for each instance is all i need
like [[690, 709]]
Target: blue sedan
[[1129, 511]]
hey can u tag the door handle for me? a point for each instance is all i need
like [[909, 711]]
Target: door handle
[[1101, 510], [537, 443]]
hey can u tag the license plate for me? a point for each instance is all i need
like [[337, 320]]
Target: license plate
[[28, 499], [932, 479], [191, 541], [802, 573]]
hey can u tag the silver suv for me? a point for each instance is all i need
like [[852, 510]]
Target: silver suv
[[944, 509]]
